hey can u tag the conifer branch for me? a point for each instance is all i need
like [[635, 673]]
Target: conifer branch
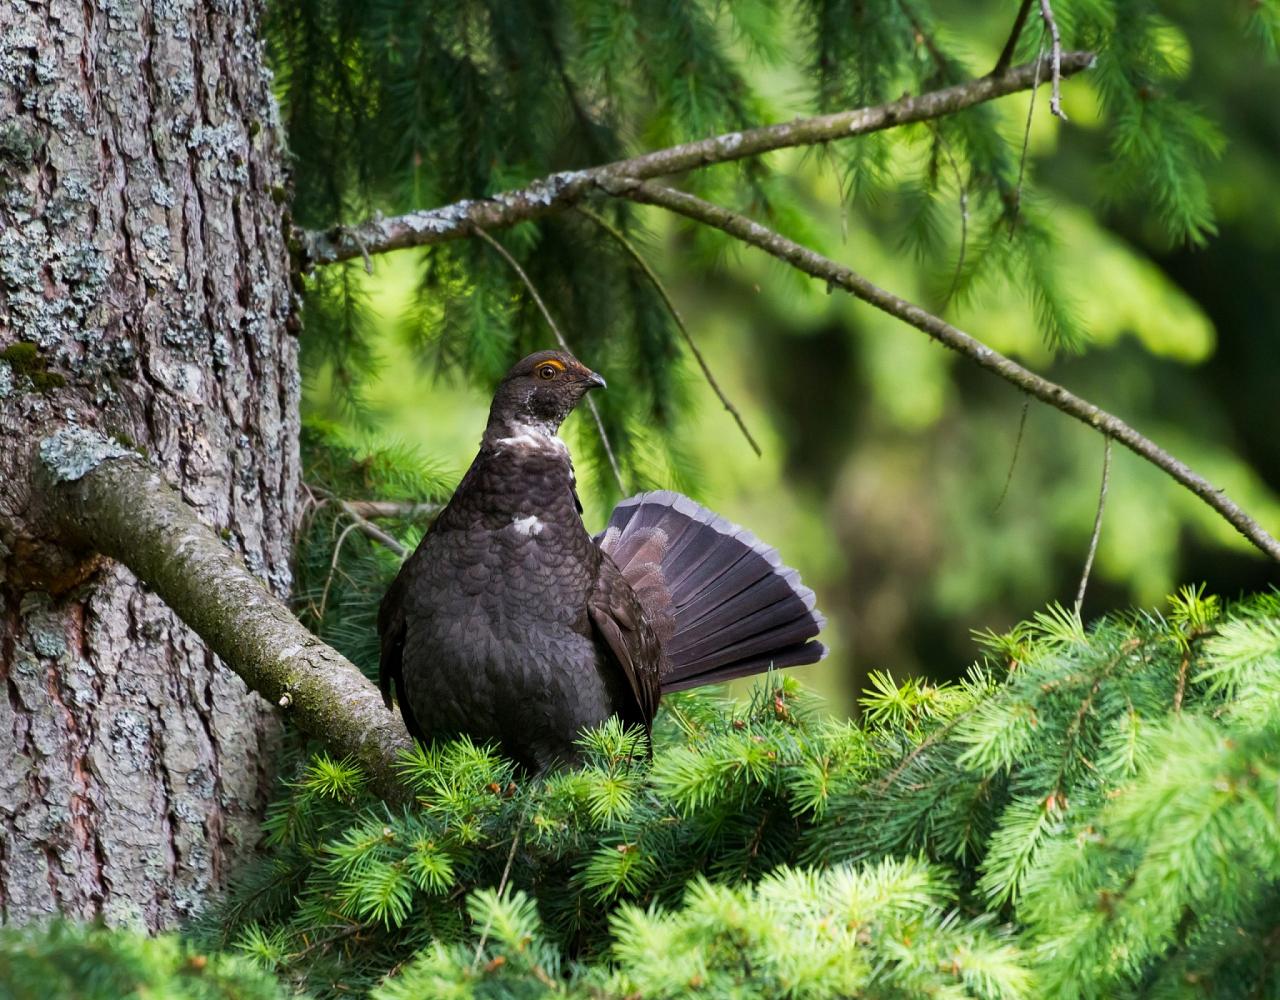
[[643, 264], [123, 509], [552, 194], [839, 276], [564, 346]]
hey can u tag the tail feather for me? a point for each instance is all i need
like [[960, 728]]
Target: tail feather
[[791, 656], [724, 603]]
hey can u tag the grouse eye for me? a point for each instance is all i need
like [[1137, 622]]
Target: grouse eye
[[547, 371]]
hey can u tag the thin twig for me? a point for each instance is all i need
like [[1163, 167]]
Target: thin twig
[[925, 37], [333, 565], [838, 276], [403, 510], [643, 264], [1013, 462], [1026, 143], [1006, 54], [502, 884], [1097, 527], [371, 530], [1182, 682], [559, 191], [368, 509], [1055, 55], [564, 346]]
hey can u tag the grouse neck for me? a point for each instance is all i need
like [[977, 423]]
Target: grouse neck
[[524, 435]]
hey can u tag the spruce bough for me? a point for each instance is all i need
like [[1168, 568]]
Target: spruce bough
[[1089, 813]]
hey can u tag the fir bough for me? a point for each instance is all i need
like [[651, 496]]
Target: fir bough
[[1091, 812]]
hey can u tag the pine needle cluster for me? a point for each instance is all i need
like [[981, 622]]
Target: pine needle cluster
[[1091, 812]]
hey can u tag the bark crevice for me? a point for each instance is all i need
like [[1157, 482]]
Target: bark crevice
[[142, 259]]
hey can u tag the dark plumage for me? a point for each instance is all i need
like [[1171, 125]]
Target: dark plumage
[[510, 623]]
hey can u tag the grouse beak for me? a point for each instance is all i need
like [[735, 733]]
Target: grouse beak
[[595, 381]]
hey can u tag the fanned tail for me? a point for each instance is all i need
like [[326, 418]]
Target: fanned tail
[[723, 603]]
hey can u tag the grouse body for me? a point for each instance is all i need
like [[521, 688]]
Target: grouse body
[[511, 624]]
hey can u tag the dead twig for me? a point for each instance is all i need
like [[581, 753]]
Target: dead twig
[[372, 531], [1055, 99], [1097, 527], [643, 264], [1017, 447], [373, 509], [502, 884], [1026, 143], [333, 566]]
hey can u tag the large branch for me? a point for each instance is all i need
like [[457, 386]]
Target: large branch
[[837, 275], [121, 507], [560, 191]]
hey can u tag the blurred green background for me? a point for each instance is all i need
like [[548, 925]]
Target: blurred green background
[[886, 476]]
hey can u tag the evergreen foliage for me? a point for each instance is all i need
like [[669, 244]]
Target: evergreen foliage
[[394, 106], [62, 960], [1091, 812]]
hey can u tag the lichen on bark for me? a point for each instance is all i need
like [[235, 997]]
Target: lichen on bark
[[144, 295], [71, 452]]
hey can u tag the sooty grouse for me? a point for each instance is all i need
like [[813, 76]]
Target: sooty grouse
[[510, 623]]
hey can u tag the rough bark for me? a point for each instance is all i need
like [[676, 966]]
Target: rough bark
[[144, 289]]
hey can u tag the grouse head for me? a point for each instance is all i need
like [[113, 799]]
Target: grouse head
[[540, 391]]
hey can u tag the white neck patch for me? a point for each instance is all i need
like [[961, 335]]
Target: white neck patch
[[536, 437]]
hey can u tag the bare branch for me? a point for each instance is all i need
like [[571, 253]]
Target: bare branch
[[1006, 54], [643, 264], [1097, 527], [502, 884], [837, 275], [1055, 56], [125, 510], [564, 346], [560, 191], [371, 530], [374, 509]]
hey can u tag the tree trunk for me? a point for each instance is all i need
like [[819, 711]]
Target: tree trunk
[[144, 291]]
